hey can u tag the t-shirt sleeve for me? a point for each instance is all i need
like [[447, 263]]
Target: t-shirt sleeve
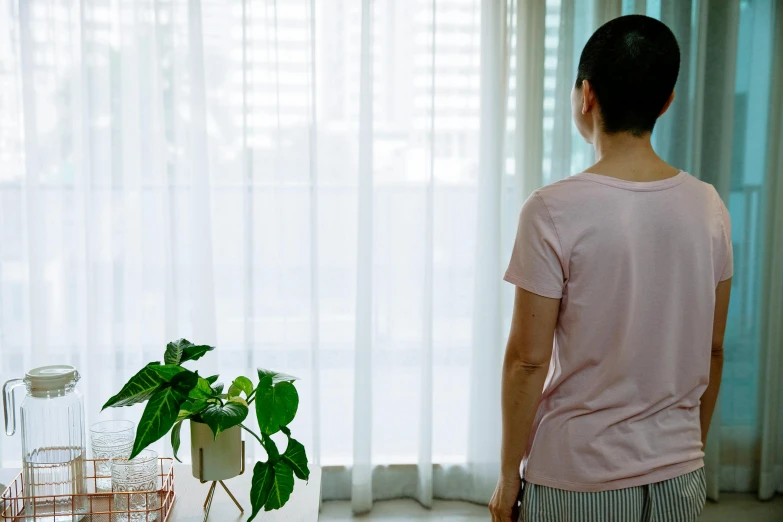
[[728, 251], [536, 260]]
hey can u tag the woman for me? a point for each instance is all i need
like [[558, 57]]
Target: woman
[[615, 353]]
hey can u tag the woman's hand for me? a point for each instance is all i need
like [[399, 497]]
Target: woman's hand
[[503, 505]]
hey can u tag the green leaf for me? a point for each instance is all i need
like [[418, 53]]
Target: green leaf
[[212, 379], [195, 352], [174, 351], [275, 377], [240, 384], [203, 390], [159, 416], [138, 389], [184, 382], [261, 486], [167, 371], [272, 452], [221, 417], [217, 389], [275, 405], [282, 486], [239, 400], [175, 438], [191, 407], [296, 457]]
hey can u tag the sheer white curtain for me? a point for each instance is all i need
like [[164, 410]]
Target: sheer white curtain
[[330, 188], [293, 181]]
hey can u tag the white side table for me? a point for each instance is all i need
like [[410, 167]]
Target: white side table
[[301, 507], [189, 507]]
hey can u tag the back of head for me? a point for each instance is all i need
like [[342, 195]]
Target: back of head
[[632, 64]]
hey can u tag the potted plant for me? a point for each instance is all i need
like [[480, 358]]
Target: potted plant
[[174, 394]]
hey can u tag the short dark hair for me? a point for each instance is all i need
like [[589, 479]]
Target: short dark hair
[[632, 63]]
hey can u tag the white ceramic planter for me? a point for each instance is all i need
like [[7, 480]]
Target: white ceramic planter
[[222, 456]]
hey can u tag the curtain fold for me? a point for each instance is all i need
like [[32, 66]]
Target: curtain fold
[[315, 280], [34, 236], [425, 486], [484, 428], [361, 477], [722, 26], [202, 285], [82, 333], [714, 148], [564, 82], [676, 127], [529, 90], [771, 476]]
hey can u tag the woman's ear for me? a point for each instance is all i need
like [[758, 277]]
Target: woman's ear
[[588, 97], [667, 104]]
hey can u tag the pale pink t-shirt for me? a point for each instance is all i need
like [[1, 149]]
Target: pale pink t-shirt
[[635, 266]]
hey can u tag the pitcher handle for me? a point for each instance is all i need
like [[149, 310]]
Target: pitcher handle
[[9, 404]]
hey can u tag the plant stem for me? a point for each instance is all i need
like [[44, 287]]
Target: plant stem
[[251, 397], [252, 433]]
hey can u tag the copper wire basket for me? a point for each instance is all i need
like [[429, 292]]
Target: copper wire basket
[[15, 506]]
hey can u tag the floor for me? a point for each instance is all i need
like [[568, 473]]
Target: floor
[[733, 507]]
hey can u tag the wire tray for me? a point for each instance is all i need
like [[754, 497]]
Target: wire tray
[[98, 506]]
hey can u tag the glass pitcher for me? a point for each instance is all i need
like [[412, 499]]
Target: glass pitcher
[[53, 443]]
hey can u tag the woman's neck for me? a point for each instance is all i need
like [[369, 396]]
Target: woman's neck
[[629, 157], [614, 147]]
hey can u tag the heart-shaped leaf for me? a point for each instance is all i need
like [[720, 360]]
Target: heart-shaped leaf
[[221, 417], [167, 371], [195, 352], [217, 389], [211, 380], [240, 384], [282, 486], [275, 406], [274, 377], [161, 411], [175, 438], [261, 485], [138, 389], [296, 457], [202, 390], [174, 351]]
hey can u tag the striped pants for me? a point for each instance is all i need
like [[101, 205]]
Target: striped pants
[[680, 499]]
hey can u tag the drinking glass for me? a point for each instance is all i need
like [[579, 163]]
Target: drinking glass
[[138, 476], [110, 439]]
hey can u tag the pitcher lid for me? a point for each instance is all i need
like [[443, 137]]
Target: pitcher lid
[[51, 378]]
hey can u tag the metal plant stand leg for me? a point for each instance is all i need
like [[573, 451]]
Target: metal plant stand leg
[[211, 495], [232, 496], [208, 502]]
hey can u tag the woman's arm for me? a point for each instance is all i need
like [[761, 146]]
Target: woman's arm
[[525, 368], [710, 396]]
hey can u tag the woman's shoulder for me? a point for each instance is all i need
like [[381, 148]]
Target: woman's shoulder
[[566, 191]]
